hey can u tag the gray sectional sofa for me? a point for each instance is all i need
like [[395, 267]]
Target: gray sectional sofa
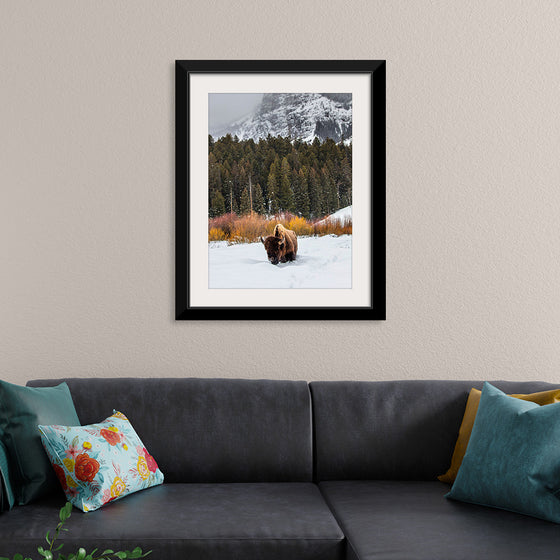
[[285, 470]]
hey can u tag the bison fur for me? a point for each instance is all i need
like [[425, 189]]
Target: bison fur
[[281, 246]]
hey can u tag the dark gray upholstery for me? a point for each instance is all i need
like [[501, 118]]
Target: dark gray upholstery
[[391, 429], [209, 430], [268, 521], [397, 520], [238, 460]]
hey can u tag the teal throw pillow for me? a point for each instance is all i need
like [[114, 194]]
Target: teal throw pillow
[[99, 463], [513, 457], [7, 490], [21, 410]]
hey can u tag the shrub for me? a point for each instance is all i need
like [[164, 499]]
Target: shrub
[[216, 234], [333, 227], [300, 226], [250, 227], [224, 222]]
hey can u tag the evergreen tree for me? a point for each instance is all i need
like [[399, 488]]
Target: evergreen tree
[[214, 174], [258, 200], [345, 187], [237, 180], [229, 197], [275, 163], [301, 194], [330, 191], [273, 185], [285, 193], [274, 204], [226, 184], [245, 203], [293, 159], [316, 148], [217, 205], [315, 194]]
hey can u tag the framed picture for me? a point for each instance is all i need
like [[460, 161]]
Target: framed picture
[[280, 189]]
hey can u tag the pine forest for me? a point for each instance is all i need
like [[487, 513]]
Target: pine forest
[[278, 176]]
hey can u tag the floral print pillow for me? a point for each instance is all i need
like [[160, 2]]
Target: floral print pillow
[[99, 463]]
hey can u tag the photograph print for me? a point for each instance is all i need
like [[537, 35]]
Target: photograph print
[[280, 190], [268, 177]]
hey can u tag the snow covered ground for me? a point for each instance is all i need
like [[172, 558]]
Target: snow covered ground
[[322, 262], [340, 215]]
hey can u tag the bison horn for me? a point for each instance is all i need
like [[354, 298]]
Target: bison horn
[[262, 240]]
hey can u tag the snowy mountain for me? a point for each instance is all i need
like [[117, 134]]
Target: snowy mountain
[[300, 116]]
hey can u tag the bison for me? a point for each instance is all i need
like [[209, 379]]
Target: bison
[[281, 246]]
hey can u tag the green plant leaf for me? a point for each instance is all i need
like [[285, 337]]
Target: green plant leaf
[[82, 554], [18, 557], [65, 512], [47, 554], [3, 558]]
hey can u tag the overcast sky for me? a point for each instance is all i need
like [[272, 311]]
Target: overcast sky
[[224, 108]]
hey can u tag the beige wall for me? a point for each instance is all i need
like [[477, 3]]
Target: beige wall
[[87, 188]]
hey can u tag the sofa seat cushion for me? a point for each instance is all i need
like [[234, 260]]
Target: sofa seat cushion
[[400, 520], [196, 521]]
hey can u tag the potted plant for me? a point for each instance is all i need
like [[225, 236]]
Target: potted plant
[[53, 553]]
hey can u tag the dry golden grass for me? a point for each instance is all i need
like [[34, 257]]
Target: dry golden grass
[[333, 227], [249, 228], [216, 234]]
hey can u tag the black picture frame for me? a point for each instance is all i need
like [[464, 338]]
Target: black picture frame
[[184, 69]]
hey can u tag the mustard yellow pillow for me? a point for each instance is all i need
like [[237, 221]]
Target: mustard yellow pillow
[[541, 398]]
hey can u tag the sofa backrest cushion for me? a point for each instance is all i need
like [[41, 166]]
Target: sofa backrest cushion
[[208, 430], [392, 430]]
